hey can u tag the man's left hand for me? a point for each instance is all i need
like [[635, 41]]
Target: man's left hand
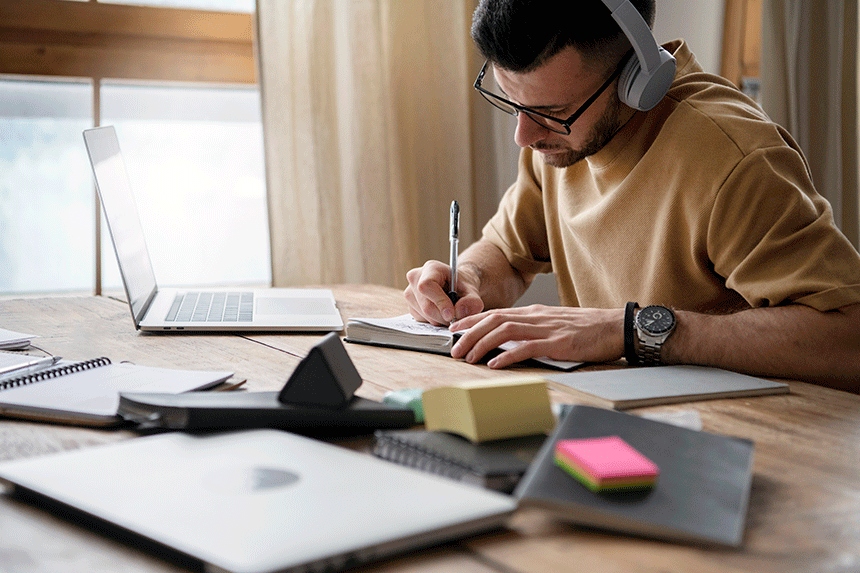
[[557, 332]]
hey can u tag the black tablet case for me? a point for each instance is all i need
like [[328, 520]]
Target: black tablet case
[[701, 495], [232, 410]]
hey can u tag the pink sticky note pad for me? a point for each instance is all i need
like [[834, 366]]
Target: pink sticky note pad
[[606, 459]]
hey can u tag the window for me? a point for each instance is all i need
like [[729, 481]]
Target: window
[[179, 86], [46, 195], [194, 157]]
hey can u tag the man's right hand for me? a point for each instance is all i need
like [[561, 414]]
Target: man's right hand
[[427, 293]]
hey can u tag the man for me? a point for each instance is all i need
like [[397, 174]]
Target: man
[[700, 204]]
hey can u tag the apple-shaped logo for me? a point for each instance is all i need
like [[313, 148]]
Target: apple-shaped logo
[[268, 478], [250, 478]]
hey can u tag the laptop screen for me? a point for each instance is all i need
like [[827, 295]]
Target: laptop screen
[[122, 219]]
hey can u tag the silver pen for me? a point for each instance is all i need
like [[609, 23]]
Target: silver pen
[[455, 240], [29, 367]]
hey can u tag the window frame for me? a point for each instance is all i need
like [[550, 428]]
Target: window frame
[[97, 40]]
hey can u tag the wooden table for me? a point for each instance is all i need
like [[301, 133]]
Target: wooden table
[[804, 510]]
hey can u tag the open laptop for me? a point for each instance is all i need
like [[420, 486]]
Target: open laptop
[[259, 501], [178, 310]]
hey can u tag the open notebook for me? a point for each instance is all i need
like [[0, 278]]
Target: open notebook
[[406, 332]]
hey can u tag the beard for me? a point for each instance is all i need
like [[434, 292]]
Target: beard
[[600, 134]]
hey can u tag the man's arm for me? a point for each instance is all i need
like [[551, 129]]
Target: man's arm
[[485, 280], [791, 341]]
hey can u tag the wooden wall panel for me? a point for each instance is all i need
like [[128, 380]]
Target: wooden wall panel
[[91, 39]]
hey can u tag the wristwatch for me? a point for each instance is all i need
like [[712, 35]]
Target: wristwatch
[[654, 324]]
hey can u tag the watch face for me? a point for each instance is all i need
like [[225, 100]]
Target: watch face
[[656, 319]]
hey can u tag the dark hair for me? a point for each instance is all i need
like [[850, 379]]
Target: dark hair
[[520, 35]]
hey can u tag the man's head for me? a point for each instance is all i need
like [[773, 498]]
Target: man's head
[[520, 35], [552, 57]]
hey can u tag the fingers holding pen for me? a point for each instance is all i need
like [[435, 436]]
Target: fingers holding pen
[[426, 294]]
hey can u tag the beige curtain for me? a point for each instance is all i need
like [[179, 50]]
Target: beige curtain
[[369, 121], [809, 85]]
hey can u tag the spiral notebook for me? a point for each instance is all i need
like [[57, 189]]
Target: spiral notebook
[[87, 392], [496, 464]]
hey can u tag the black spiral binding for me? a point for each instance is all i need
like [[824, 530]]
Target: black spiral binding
[[408, 454], [54, 372]]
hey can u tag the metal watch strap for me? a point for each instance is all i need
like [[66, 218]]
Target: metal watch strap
[[649, 353]]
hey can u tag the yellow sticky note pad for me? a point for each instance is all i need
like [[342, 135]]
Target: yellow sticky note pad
[[482, 410]]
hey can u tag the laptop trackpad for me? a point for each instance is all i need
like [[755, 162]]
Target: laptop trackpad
[[276, 305]]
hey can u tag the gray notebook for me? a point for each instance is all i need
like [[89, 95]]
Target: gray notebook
[[638, 387], [701, 495]]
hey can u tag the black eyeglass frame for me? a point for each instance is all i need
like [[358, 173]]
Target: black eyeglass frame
[[564, 123]]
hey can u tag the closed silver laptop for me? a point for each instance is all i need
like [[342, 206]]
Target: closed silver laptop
[[261, 501], [183, 310]]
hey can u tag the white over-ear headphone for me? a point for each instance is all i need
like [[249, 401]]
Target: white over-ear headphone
[[646, 78]]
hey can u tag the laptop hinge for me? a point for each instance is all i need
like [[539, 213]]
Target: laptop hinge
[[145, 308]]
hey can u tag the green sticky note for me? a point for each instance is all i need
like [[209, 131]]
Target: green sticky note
[[409, 398]]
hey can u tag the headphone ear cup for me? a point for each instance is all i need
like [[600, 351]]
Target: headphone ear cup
[[641, 90], [628, 76]]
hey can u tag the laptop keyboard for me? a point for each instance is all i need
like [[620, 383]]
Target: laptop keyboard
[[212, 307]]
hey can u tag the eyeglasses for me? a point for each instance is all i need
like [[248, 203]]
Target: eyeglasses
[[549, 122]]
